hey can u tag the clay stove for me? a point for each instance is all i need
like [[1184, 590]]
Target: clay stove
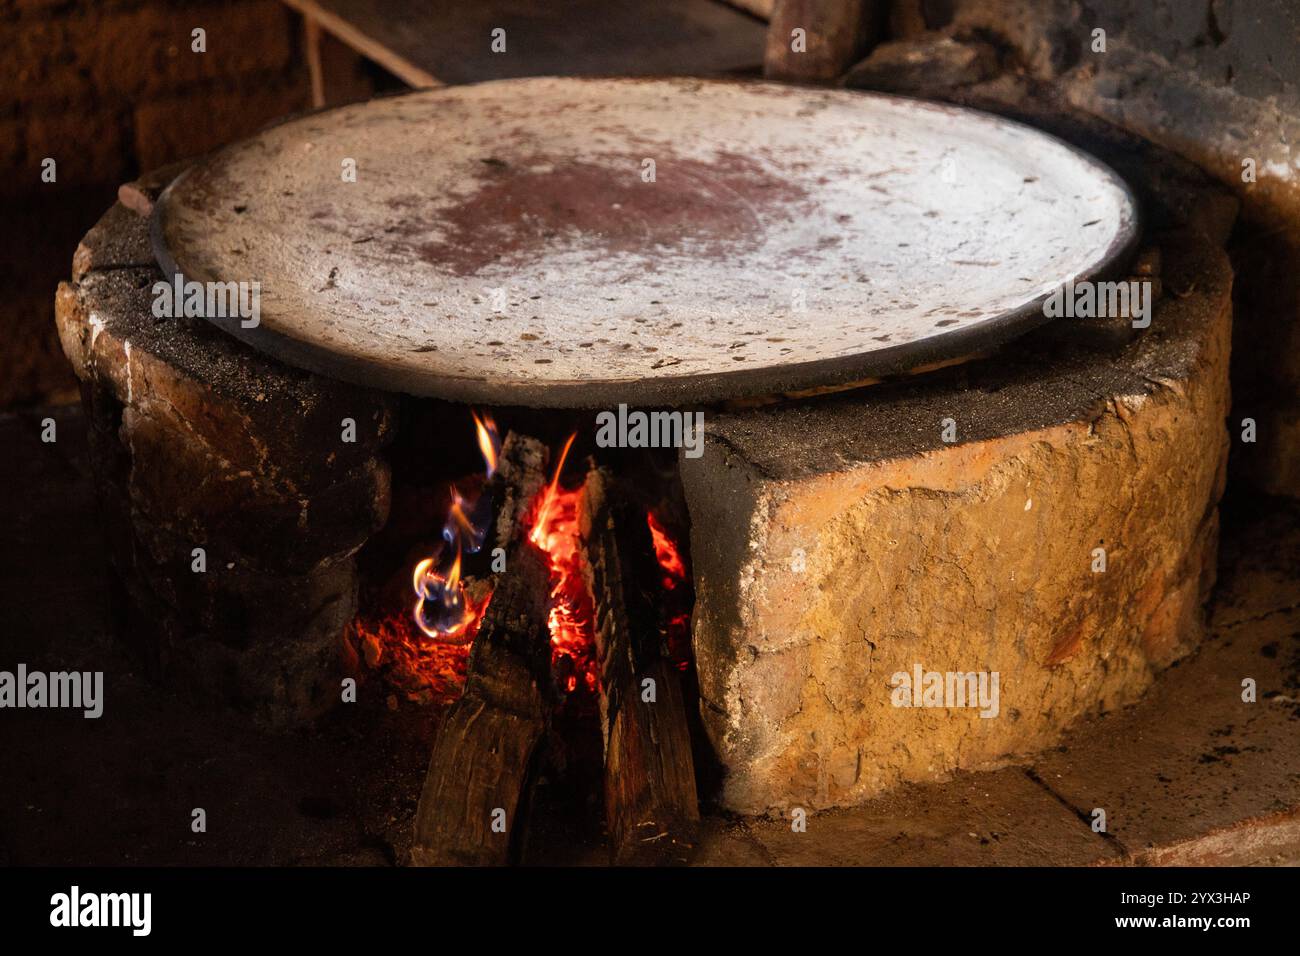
[[783, 264]]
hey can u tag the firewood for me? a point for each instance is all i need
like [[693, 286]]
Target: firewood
[[650, 800], [479, 768]]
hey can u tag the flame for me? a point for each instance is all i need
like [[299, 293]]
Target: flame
[[458, 522], [555, 532], [442, 609], [468, 520], [550, 494], [667, 553], [675, 620], [418, 578], [448, 594], [489, 441]]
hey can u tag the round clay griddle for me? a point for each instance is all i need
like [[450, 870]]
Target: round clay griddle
[[502, 244]]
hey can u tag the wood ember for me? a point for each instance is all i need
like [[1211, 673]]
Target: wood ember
[[478, 772], [650, 799]]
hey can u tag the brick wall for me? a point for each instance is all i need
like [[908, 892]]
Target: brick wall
[[108, 89]]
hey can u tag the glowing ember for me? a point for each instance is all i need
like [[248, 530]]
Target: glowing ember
[[676, 620], [670, 559], [555, 533], [420, 669]]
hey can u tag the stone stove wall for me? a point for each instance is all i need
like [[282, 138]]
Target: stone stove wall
[[838, 542], [198, 442]]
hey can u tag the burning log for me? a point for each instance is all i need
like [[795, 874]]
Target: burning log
[[478, 771], [650, 799]]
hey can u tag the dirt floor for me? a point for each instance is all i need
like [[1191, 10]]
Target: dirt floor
[[1189, 775]]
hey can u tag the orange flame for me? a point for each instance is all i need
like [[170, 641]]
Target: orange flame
[[670, 559], [676, 615], [489, 442], [424, 576], [550, 494], [555, 532], [456, 515]]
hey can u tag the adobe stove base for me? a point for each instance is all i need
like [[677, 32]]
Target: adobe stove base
[[976, 555], [838, 544], [232, 502]]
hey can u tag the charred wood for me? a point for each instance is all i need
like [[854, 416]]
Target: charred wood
[[479, 768], [651, 807]]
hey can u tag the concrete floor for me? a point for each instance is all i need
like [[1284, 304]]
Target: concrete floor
[[1190, 775]]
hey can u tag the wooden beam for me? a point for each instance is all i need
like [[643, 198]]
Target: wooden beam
[[368, 46], [311, 41], [451, 41]]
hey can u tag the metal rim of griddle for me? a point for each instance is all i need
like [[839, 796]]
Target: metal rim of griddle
[[689, 389]]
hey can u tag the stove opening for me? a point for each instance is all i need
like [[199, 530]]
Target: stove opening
[[429, 575]]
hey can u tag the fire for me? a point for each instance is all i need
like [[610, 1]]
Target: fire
[[489, 441], [424, 653], [444, 599], [555, 532], [669, 557], [468, 520], [442, 609], [676, 619], [550, 494]]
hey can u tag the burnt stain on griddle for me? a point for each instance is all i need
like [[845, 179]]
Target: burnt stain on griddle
[[709, 210]]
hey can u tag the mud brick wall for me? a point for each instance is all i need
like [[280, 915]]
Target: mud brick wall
[[109, 89]]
